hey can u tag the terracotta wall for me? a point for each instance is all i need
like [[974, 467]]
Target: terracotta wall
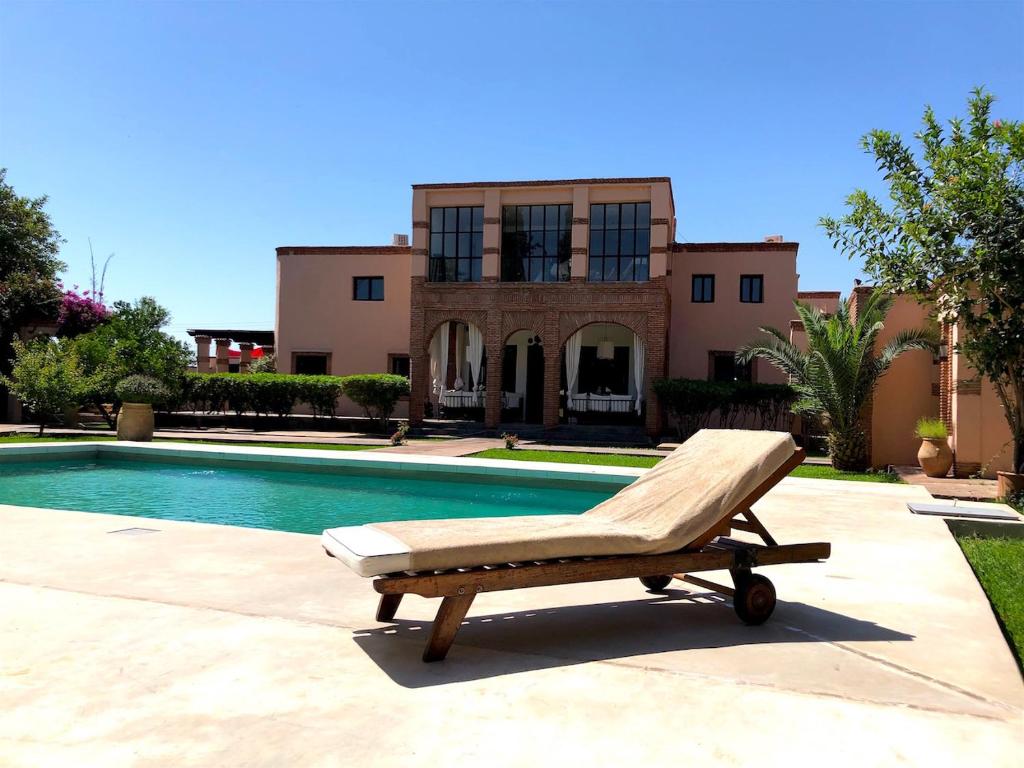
[[906, 393], [316, 311], [695, 329], [981, 436]]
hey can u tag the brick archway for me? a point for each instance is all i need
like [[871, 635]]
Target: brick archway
[[432, 321], [571, 322]]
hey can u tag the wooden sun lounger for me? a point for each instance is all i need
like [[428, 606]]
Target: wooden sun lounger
[[753, 595]]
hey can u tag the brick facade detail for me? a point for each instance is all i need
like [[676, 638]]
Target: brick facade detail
[[553, 311]]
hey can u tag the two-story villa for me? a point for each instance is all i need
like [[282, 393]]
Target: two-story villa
[[542, 302]]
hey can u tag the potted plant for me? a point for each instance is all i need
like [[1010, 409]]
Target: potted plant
[[138, 394], [511, 440], [934, 455]]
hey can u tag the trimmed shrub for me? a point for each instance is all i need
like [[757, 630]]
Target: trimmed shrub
[[261, 393], [277, 393], [142, 389], [694, 404], [376, 393]]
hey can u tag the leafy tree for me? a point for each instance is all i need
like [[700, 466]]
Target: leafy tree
[[47, 376], [952, 233], [836, 376], [28, 265], [132, 342]]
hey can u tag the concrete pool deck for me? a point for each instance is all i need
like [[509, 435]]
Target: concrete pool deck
[[187, 644]]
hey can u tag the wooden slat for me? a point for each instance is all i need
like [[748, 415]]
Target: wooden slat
[[446, 626], [388, 607], [546, 574], [707, 584]]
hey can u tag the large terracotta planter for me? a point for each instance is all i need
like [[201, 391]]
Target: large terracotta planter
[[135, 422], [1009, 484], [934, 456]]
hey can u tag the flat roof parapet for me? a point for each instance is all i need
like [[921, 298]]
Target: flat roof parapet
[[312, 250], [544, 182], [733, 247]]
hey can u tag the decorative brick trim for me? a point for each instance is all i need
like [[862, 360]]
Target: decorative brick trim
[[421, 225], [659, 249], [419, 251], [492, 220], [579, 251], [491, 249], [732, 247], [544, 182], [580, 220], [341, 250], [968, 386], [655, 222], [817, 294]]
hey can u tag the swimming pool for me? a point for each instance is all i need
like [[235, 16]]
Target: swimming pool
[[288, 490]]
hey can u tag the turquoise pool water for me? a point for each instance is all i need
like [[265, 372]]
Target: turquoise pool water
[[286, 500]]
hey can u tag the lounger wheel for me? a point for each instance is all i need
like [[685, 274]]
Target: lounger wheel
[[656, 583], [754, 599]]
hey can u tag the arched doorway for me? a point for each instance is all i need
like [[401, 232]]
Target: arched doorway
[[522, 378], [603, 369], [458, 371]]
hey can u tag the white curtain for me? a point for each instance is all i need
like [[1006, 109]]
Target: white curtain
[[460, 353], [476, 353], [439, 359], [639, 352], [572, 361]]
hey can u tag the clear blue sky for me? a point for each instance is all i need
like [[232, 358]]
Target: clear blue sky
[[191, 139]]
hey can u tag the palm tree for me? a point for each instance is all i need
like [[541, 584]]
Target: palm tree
[[837, 374]]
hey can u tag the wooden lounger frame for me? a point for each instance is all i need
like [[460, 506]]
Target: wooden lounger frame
[[712, 552]]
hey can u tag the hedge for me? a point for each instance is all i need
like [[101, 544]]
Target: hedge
[[694, 403], [277, 393]]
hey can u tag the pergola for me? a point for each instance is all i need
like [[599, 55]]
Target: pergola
[[223, 337]]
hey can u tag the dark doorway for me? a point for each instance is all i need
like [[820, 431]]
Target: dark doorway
[[534, 383]]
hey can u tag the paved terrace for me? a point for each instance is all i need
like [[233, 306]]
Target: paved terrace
[[195, 644]]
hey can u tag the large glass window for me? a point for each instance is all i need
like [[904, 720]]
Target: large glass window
[[620, 241], [456, 244], [536, 243]]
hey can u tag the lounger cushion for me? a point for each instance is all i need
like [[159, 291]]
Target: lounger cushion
[[664, 510]]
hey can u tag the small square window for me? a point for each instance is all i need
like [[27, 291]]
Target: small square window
[[752, 289], [703, 289], [368, 288], [723, 367], [311, 363], [398, 365]]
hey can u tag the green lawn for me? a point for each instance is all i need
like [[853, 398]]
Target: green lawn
[[249, 443], [999, 566], [617, 460], [568, 457], [825, 472]]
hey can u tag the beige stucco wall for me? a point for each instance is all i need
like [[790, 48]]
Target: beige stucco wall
[[727, 323], [906, 393], [316, 311], [981, 436]]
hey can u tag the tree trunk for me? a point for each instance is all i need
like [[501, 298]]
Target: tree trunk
[[848, 449]]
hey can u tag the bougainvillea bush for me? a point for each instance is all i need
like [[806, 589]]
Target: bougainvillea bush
[[80, 312]]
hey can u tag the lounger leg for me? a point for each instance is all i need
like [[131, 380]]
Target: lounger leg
[[446, 626], [388, 607]]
